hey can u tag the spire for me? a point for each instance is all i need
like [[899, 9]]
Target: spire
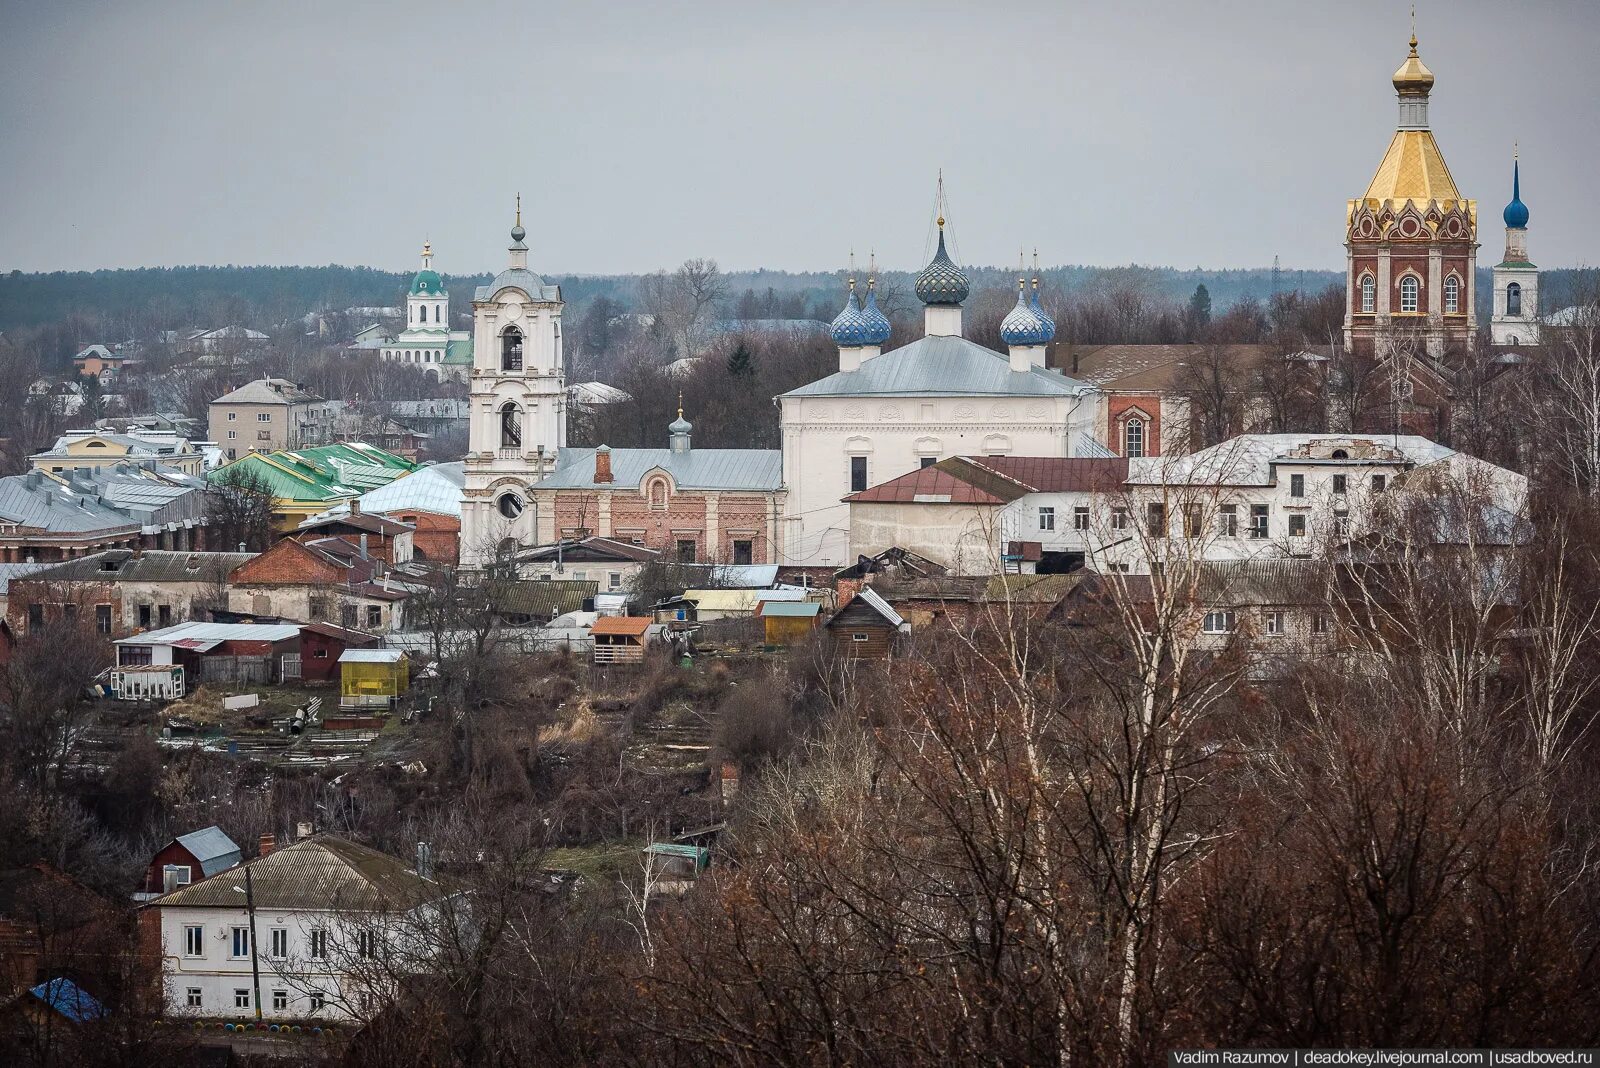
[[427, 254], [1516, 213], [517, 232]]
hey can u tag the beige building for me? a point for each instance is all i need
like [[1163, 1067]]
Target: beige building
[[267, 414], [91, 448]]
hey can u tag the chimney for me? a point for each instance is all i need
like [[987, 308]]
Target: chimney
[[269, 842], [363, 545], [424, 860], [355, 506], [602, 464]]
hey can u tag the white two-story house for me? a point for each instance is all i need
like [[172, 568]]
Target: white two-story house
[[1254, 497], [318, 930]]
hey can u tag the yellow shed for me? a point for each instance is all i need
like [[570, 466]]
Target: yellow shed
[[372, 678], [789, 621]]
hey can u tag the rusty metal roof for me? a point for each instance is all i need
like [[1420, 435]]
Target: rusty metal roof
[[320, 873]]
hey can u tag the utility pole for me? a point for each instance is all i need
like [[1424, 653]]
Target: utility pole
[[255, 951]]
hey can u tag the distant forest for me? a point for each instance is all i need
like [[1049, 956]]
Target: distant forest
[[171, 298]]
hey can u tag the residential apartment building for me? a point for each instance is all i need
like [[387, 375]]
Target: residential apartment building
[[267, 414]]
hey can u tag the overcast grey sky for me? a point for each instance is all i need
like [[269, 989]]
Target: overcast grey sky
[[1177, 132]]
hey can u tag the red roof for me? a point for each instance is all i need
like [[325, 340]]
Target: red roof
[[996, 479], [625, 626], [1060, 474]]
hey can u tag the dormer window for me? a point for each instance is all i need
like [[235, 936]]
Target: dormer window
[[1133, 437]]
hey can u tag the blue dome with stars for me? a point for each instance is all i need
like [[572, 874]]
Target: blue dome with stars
[[851, 327], [1044, 316], [878, 328], [1516, 213], [942, 282], [1025, 326]]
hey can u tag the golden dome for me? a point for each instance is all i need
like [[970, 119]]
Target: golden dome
[[1413, 77]]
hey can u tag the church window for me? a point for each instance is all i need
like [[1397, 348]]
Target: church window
[[658, 493], [1452, 295], [858, 474], [1409, 289], [510, 426], [509, 505], [1369, 294], [1133, 437], [436, 313], [1514, 299], [511, 349]]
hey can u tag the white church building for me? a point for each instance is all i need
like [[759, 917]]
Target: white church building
[[884, 414], [427, 341]]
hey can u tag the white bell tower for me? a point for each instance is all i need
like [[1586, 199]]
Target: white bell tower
[[518, 418], [1516, 279]]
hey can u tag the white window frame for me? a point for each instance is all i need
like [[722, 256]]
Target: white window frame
[[1274, 623], [1260, 522], [1119, 518], [1228, 521], [1133, 437], [1410, 293], [280, 1000], [1452, 295], [1369, 294], [1220, 621], [1297, 485], [1297, 519], [1080, 518], [317, 943], [238, 935], [194, 997], [194, 940], [241, 997], [1047, 517], [278, 942], [232, 416]]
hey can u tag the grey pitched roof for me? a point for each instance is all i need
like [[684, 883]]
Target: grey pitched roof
[[756, 470], [156, 565], [322, 873], [518, 278], [942, 366], [9, 573], [214, 850], [268, 391], [38, 502]]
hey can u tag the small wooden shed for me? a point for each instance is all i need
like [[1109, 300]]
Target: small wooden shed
[[620, 639], [865, 627], [789, 621], [372, 678]]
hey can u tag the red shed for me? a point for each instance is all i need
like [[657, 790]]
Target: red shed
[[189, 858], [320, 647]]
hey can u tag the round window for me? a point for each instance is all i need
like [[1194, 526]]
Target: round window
[[510, 505]]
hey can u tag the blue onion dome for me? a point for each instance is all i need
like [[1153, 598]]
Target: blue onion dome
[[1044, 316], [878, 327], [1022, 325], [680, 425], [1516, 213], [426, 283], [942, 282], [850, 327]]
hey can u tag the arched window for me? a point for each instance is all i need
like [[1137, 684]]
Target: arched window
[[1369, 294], [1452, 295], [436, 310], [1514, 298], [1408, 293], [658, 493], [510, 426], [511, 349], [1133, 437]]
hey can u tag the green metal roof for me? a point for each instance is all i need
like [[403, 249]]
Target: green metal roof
[[426, 282], [321, 473], [458, 351]]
